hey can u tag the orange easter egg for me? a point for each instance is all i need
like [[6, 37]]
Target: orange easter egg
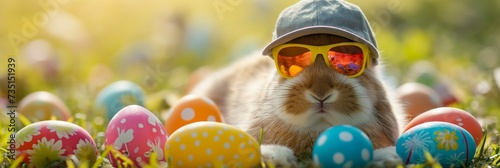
[[451, 115], [417, 98], [190, 109]]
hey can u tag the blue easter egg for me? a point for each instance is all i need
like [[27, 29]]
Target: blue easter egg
[[342, 146], [448, 144], [118, 95]]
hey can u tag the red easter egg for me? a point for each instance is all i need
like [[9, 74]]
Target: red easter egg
[[51, 140], [451, 115]]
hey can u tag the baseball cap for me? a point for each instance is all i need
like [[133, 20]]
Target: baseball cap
[[335, 17]]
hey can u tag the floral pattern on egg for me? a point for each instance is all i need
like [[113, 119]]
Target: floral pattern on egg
[[47, 141]]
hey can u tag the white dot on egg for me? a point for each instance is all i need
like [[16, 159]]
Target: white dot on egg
[[154, 130], [183, 147], [208, 100], [226, 145], [197, 143], [322, 140], [162, 132], [221, 158], [187, 114], [365, 154], [461, 124], [204, 134], [194, 134], [216, 138], [242, 145], [241, 135], [251, 155], [348, 164], [345, 136], [177, 139], [190, 157], [123, 120], [231, 138], [141, 126], [219, 132], [211, 118], [136, 149], [236, 156], [179, 163], [209, 151], [208, 164], [138, 159], [316, 159], [338, 158], [250, 142]]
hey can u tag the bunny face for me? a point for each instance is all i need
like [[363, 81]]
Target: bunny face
[[320, 97]]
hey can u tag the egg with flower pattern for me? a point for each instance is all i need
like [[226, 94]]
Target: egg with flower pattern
[[135, 132], [212, 144], [49, 141], [449, 144]]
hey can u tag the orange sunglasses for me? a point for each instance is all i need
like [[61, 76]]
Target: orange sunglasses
[[347, 58]]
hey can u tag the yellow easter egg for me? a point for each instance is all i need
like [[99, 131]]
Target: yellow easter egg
[[212, 144]]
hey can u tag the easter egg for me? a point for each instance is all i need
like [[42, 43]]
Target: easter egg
[[212, 144], [136, 133], [42, 105], [192, 108], [342, 146], [417, 98], [451, 115], [449, 144], [48, 141], [117, 95]]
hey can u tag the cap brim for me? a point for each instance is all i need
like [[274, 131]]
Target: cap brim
[[319, 30]]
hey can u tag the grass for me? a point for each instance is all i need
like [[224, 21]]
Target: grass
[[487, 153]]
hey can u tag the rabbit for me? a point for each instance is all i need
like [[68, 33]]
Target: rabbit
[[293, 112]]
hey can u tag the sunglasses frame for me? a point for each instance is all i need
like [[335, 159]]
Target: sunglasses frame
[[323, 50]]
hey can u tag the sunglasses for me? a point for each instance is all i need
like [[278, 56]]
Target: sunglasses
[[347, 58]]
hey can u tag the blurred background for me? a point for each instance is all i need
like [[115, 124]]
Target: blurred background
[[74, 48]]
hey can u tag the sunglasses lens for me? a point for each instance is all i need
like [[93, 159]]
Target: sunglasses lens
[[347, 59], [292, 60]]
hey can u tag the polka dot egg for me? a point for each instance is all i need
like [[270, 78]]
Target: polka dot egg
[[342, 146], [189, 109], [136, 133], [212, 144], [46, 142]]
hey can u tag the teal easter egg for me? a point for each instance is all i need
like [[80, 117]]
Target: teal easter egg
[[342, 146], [118, 95], [449, 144]]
